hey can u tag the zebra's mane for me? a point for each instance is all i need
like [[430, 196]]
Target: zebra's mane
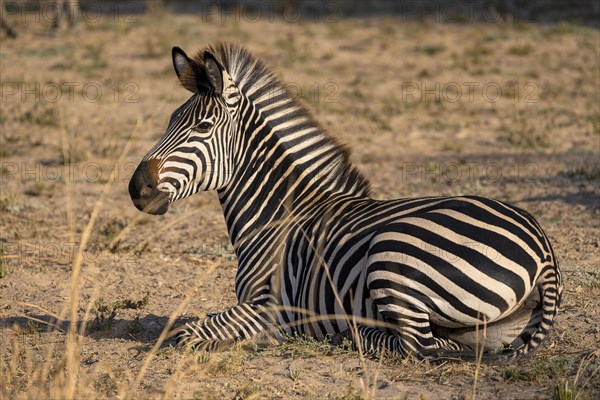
[[250, 73]]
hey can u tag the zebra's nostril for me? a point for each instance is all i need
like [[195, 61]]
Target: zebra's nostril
[[146, 191], [143, 191]]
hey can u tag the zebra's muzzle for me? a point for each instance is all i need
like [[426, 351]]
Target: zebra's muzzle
[[144, 192]]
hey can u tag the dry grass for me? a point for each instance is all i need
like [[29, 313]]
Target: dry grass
[[76, 256]]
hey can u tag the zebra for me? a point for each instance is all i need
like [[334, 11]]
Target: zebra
[[4, 25], [317, 256]]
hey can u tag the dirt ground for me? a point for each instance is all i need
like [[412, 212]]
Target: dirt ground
[[509, 111]]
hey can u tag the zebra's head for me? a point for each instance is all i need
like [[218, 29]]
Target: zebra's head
[[196, 151]]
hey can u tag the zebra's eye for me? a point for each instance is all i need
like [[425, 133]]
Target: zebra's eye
[[203, 127]]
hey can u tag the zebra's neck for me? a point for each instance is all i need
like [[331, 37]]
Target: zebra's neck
[[286, 162]]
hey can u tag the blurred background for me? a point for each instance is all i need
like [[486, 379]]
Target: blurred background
[[495, 98]]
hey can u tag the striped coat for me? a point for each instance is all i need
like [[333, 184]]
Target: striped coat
[[317, 255]]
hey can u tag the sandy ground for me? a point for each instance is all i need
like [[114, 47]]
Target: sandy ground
[[508, 111]]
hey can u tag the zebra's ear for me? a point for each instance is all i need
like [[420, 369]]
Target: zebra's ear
[[184, 68], [180, 60], [214, 70], [220, 80]]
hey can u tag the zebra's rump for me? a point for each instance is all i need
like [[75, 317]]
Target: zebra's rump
[[464, 260], [477, 255]]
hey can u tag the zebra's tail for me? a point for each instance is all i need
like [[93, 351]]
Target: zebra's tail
[[514, 337]]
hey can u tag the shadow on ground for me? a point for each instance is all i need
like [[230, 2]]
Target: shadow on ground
[[586, 198], [145, 329]]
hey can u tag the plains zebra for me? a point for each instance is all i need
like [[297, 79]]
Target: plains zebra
[[317, 255]]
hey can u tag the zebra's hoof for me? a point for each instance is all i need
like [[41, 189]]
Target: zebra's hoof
[[337, 339]]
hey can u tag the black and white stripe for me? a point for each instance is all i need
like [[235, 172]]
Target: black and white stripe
[[318, 256]]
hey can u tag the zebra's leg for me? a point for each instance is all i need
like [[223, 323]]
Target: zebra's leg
[[221, 330], [68, 7], [4, 23], [372, 341], [58, 10], [408, 315], [397, 297], [499, 337], [72, 10]]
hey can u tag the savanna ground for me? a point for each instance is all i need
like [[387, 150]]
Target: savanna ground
[[78, 257]]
